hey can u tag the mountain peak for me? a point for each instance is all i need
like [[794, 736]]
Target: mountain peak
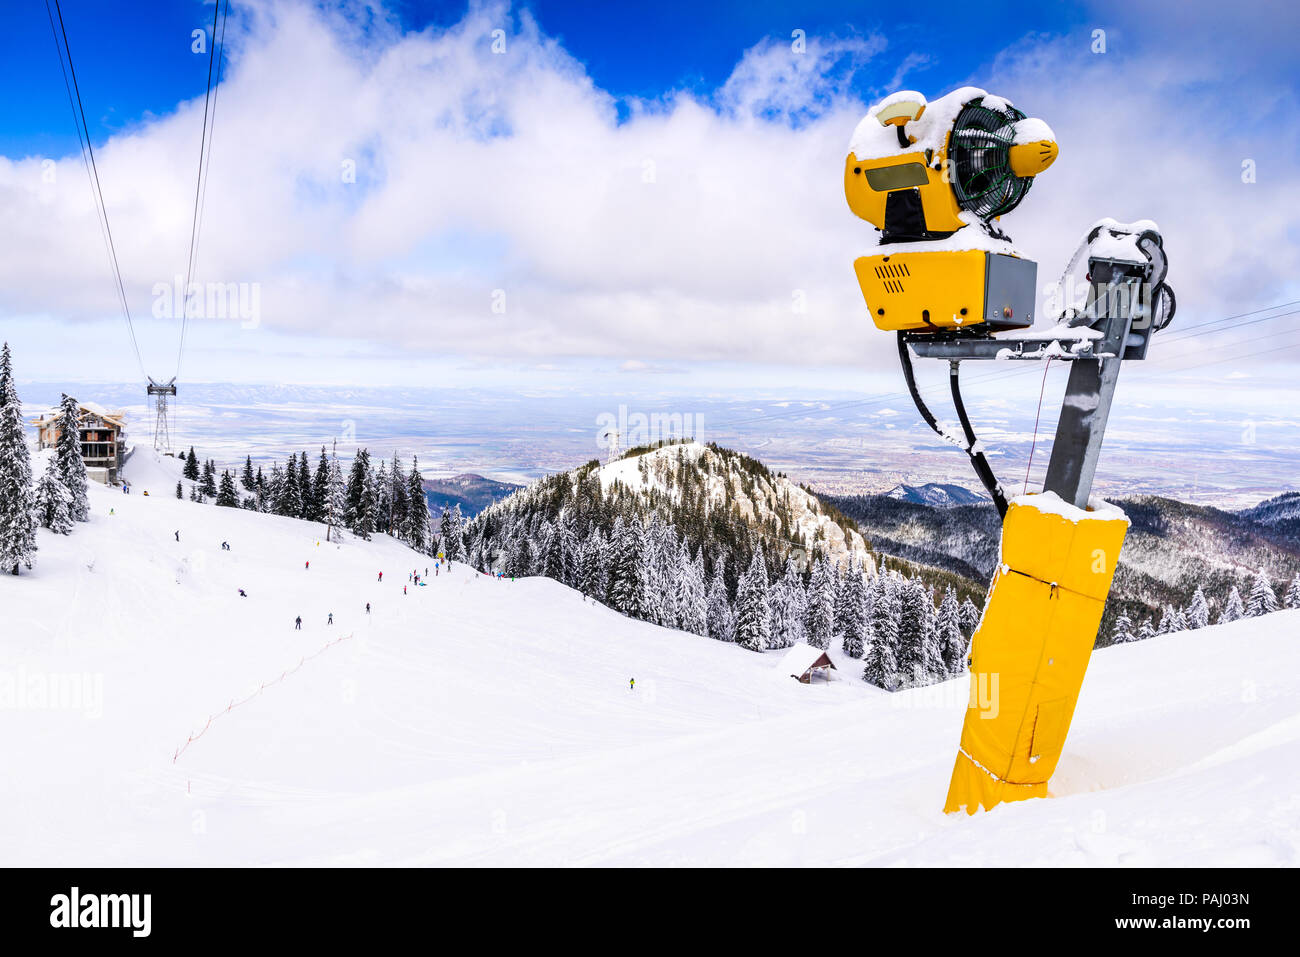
[[935, 493]]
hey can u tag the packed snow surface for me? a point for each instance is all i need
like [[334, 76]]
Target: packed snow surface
[[475, 721]]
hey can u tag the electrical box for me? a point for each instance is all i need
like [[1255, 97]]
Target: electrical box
[[948, 290]]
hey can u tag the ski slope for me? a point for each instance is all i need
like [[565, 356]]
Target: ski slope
[[485, 722]]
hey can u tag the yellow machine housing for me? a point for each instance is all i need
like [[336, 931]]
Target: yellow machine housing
[[1030, 652], [947, 290], [868, 183]]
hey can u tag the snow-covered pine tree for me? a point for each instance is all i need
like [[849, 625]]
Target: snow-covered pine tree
[[444, 532], [1146, 629], [397, 498], [592, 578], [915, 637], [335, 501], [415, 507], [881, 658], [1179, 622], [274, 487], [289, 503], [552, 553], [180, 491], [1122, 631], [665, 574], [310, 511], [571, 548], [969, 618], [320, 486], [753, 615], [788, 601], [227, 496], [361, 497], [1198, 611], [519, 556], [382, 489], [208, 484], [455, 548], [1262, 600], [1293, 593], [658, 600], [249, 481], [850, 609], [952, 643], [627, 585], [692, 597], [191, 470], [819, 616], [52, 503], [721, 618], [17, 496], [69, 464], [1233, 609]]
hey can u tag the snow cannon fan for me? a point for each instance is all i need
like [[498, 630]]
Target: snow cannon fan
[[934, 178]]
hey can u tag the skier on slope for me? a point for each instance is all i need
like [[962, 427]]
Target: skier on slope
[[242, 593], [297, 624], [330, 621], [631, 684], [381, 576], [367, 608], [306, 565], [177, 533]]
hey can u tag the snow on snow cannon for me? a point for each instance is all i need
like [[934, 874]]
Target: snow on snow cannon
[[934, 178]]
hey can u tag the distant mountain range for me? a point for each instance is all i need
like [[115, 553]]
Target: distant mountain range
[[471, 492], [935, 493], [1280, 513], [1171, 546]]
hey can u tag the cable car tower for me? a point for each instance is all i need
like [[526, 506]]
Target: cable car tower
[[158, 391], [162, 440]]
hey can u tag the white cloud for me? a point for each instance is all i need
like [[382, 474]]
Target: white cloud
[[687, 231]]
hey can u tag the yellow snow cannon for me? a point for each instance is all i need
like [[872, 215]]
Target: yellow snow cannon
[[940, 174], [948, 283], [1031, 649]]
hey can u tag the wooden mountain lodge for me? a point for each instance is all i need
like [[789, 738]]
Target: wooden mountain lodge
[[804, 661], [102, 434]]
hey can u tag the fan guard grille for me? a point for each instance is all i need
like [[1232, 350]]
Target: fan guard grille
[[982, 178]]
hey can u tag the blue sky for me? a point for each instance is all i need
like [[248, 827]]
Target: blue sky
[[135, 61], [642, 188]]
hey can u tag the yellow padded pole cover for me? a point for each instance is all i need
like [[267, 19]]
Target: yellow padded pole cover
[[1031, 649]]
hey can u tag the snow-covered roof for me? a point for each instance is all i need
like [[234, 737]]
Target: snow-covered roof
[[802, 657], [115, 416]]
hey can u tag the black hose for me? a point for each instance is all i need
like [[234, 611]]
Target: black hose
[[977, 457], [982, 468]]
